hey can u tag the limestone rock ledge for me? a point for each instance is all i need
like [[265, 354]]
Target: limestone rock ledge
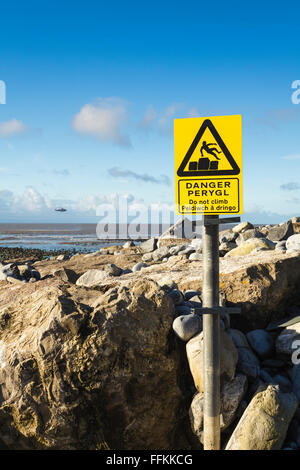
[[84, 370]]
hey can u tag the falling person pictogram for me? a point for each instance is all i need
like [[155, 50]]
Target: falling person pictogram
[[209, 150]]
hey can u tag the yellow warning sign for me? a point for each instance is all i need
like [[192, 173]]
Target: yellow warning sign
[[208, 165]]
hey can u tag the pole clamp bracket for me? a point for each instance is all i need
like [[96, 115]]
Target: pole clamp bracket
[[216, 310], [216, 221]]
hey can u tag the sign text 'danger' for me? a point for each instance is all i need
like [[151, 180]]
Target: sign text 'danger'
[[208, 165]]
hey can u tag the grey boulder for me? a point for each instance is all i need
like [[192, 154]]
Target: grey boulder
[[160, 253], [261, 342], [9, 270], [187, 326], [195, 257], [148, 245], [281, 232], [113, 270], [265, 421], [293, 242], [139, 267]]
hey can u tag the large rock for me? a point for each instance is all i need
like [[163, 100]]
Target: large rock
[[231, 395], [65, 275], [263, 285], [112, 270], [128, 244], [9, 270], [85, 370], [265, 421], [148, 246], [242, 227], [293, 242], [195, 257], [160, 253], [187, 326], [238, 337], [138, 267], [227, 236], [228, 359], [248, 363], [174, 250], [281, 232], [251, 233], [147, 257], [92, 278], [261, 342], [197, 243], [250, 245]]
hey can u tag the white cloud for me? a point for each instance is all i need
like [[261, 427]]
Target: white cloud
[[103, 121], [118, 173], [11, 128], [148, 118], [31, 201], [192, 112], [295, 156], [163, 121], [291, 186]]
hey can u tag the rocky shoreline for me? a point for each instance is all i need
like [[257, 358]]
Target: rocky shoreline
[[9, 254], [104, 350]]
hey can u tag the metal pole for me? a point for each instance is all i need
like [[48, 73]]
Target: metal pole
[[211, 335]]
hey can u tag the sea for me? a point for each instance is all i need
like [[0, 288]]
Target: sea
[[78, 237], [82, 238]]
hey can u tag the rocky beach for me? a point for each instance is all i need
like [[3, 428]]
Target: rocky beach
[[104, 350]]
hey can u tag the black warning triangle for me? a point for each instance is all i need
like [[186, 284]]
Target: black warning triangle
[[208, 124]]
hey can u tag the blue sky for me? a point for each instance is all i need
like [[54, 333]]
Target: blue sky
[[92, 90]]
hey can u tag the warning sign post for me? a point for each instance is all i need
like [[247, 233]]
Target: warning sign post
[[208, 165], [208, 177]]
